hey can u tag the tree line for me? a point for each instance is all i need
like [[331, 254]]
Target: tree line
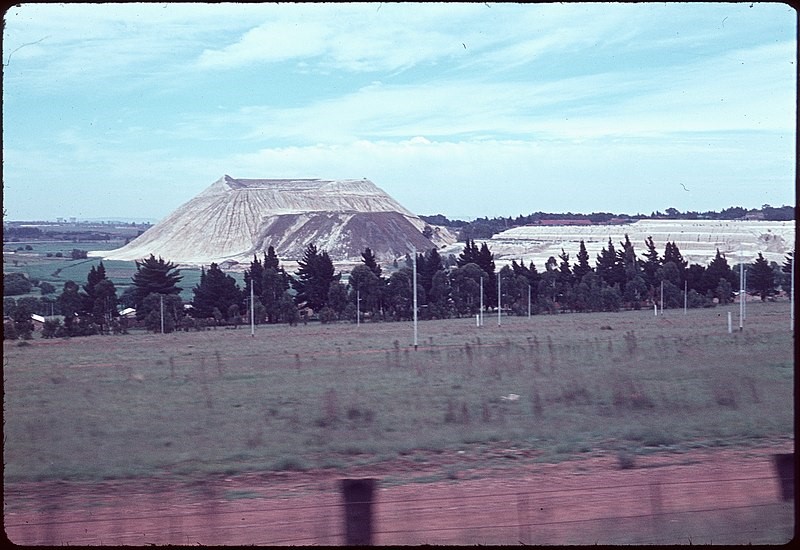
[[446, 287], [485, 228]]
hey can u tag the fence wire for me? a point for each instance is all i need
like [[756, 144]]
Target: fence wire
[[567, 515]]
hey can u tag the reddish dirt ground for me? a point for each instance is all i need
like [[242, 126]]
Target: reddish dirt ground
[[710, 495]]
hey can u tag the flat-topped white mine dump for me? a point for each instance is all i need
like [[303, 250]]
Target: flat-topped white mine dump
[[234, 219], [698, 240]]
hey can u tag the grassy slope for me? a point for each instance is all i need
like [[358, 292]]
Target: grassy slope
[[321, 396]]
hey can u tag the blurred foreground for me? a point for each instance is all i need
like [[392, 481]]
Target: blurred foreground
[[702, 496]]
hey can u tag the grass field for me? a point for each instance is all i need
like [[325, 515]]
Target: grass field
[[56, 271], [326, 396]]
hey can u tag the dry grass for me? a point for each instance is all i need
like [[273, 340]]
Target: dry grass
[[310, 396]]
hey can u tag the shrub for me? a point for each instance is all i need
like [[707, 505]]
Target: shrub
[[9, 331], [46, 288], [327, 315], [50, 328]]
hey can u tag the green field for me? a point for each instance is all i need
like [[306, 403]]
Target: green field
[[315, 396], [36, 265]]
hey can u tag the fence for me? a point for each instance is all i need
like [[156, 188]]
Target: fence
[[653, 510]]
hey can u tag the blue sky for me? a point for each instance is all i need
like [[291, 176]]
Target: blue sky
[[468, 110]]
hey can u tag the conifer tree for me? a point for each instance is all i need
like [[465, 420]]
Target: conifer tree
[[469, 255], [761, 278], [582, 267], [215, 290], [314, 277], [369, 260], [153, 276], [253, 276]]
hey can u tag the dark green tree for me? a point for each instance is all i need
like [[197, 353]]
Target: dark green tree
[[369, 260], [786, 269], [718, 269], [610, 267], [104, 306], [673, 254], [651, 264], [153, 276], [439, 298], [365, 290], [485, 261], [582, 267], [314, 277], [761, 279], [216, 290], [469, 255], [427, 267], [254, 276], [465, 288], [172, 311], [399, 295], [15, 284]]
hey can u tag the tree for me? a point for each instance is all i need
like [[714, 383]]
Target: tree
[[369, 260], [365, 286], [399, 294], [153, 276], [100, 300], [718, 269], [314, 277], [427, 267], [786, 269], [46, 288], [172, 311], [672, 254], [215, 290], [104, 305], [15, 284], [651, 264], [469, 255], [582, 267], [439, 299], [485, 261], [609, 266], [274, 289], [761, 278], [254, 276], [465, 288]]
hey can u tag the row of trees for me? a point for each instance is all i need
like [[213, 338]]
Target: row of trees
[[454, 287]]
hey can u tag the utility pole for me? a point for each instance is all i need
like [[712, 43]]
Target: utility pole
[[481, 310], [662, 296], [529, 301], [358, 307], [252, 311], [414, 282], [741, 289], [161, 296], [685, 295], [498, 299], [791, 315]]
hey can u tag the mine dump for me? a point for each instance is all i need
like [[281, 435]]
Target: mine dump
[[235, 219]]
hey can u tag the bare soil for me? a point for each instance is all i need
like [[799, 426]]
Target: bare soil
[[703, 495]]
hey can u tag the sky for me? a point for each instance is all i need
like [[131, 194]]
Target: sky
[[127, 111]]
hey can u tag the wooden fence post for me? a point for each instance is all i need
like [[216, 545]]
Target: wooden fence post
[[784, 464], [358, 495]]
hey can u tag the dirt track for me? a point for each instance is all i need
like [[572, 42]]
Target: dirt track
[[720, 496]]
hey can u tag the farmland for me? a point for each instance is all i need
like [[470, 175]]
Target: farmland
[[334, 396]]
